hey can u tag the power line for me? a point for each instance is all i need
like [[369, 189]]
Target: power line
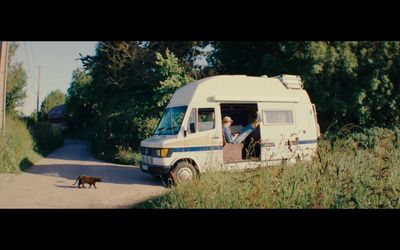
[[33, 58], [29, 67], [32, 80], [37, 105], [38, 86]]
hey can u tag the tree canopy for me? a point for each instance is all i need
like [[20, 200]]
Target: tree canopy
[[350, 82], [119, 95], [16, 81], [53, 99]]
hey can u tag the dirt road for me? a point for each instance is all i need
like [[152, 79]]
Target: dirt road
[[48, 184]]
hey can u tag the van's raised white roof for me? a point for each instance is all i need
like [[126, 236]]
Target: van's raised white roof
[[237, 88]]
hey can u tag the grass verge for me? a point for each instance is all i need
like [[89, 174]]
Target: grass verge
[[16, 147], [347, 173]]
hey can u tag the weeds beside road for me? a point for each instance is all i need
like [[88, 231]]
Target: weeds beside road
[[21, 146], [349, 172]]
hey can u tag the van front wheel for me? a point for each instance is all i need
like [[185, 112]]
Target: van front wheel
[[183, 171]]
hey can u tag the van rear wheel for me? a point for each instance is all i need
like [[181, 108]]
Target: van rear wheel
[[184, 171]]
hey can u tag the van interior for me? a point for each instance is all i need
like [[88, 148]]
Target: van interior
[[242, 115]]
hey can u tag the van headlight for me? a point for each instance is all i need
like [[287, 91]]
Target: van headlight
[[163, 152]]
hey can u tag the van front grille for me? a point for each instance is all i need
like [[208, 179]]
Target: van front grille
[[148, 151]]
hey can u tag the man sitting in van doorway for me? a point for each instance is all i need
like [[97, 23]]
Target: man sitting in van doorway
[[244, 132]]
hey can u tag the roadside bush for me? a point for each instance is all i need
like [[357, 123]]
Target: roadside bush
[[47, 137], [16, 147], [122, 125], [371, 137], [125, 155]]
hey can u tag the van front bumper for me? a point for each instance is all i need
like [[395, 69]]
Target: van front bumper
[[155, 170]]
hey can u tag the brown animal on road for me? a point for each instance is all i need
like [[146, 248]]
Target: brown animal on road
[[87, 179]]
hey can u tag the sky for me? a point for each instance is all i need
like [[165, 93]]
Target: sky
[[57, 60]]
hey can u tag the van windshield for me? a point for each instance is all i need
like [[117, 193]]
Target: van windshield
[[171, 121]]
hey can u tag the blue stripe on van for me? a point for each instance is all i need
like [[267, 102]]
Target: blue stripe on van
[[307, 141], [202, 148], [209, 148]]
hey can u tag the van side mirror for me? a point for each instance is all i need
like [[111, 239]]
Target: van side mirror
[[192, 128]]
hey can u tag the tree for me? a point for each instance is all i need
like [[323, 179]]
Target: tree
[[350, 82], [16, 82], [78, 107], [175, 75], [53, 99], [127, 81], [378, 95]]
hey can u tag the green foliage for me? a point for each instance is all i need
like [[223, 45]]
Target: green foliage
[[125, 155], [23, 145], [16, 147], [119, 97], [372, 137], [77, 103], [16, 82], [350, 82], [175, 77], [53, 99], [47, 136], [343, 176]]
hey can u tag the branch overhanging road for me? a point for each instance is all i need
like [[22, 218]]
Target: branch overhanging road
[[49, 183]]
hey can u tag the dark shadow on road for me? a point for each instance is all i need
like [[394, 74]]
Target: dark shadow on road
[[77, 150], [75, 187], [66, 186], [25, 164], [109, 173]]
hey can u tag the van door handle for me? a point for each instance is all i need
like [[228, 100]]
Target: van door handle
[[215, 137]]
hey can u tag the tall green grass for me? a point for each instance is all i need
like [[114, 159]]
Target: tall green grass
[[22, 145], [357, 170], [16, 147]]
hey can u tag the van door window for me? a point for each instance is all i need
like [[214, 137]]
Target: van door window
[[192, 122], [206, 119], [278, 117]]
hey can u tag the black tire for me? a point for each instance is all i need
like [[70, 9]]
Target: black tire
[[183, 171]]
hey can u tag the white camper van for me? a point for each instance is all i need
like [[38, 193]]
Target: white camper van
[[189, 139]]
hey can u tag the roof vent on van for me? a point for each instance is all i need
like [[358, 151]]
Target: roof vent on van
[[290, 81], [264, 76]]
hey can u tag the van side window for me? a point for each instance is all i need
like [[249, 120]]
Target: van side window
[[277, 117], [192, 121], [206, 119]]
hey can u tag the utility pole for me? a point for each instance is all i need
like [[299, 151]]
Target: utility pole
[[3, 83], [37, 104]]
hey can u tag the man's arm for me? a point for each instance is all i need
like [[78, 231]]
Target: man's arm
[[228, 135]]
